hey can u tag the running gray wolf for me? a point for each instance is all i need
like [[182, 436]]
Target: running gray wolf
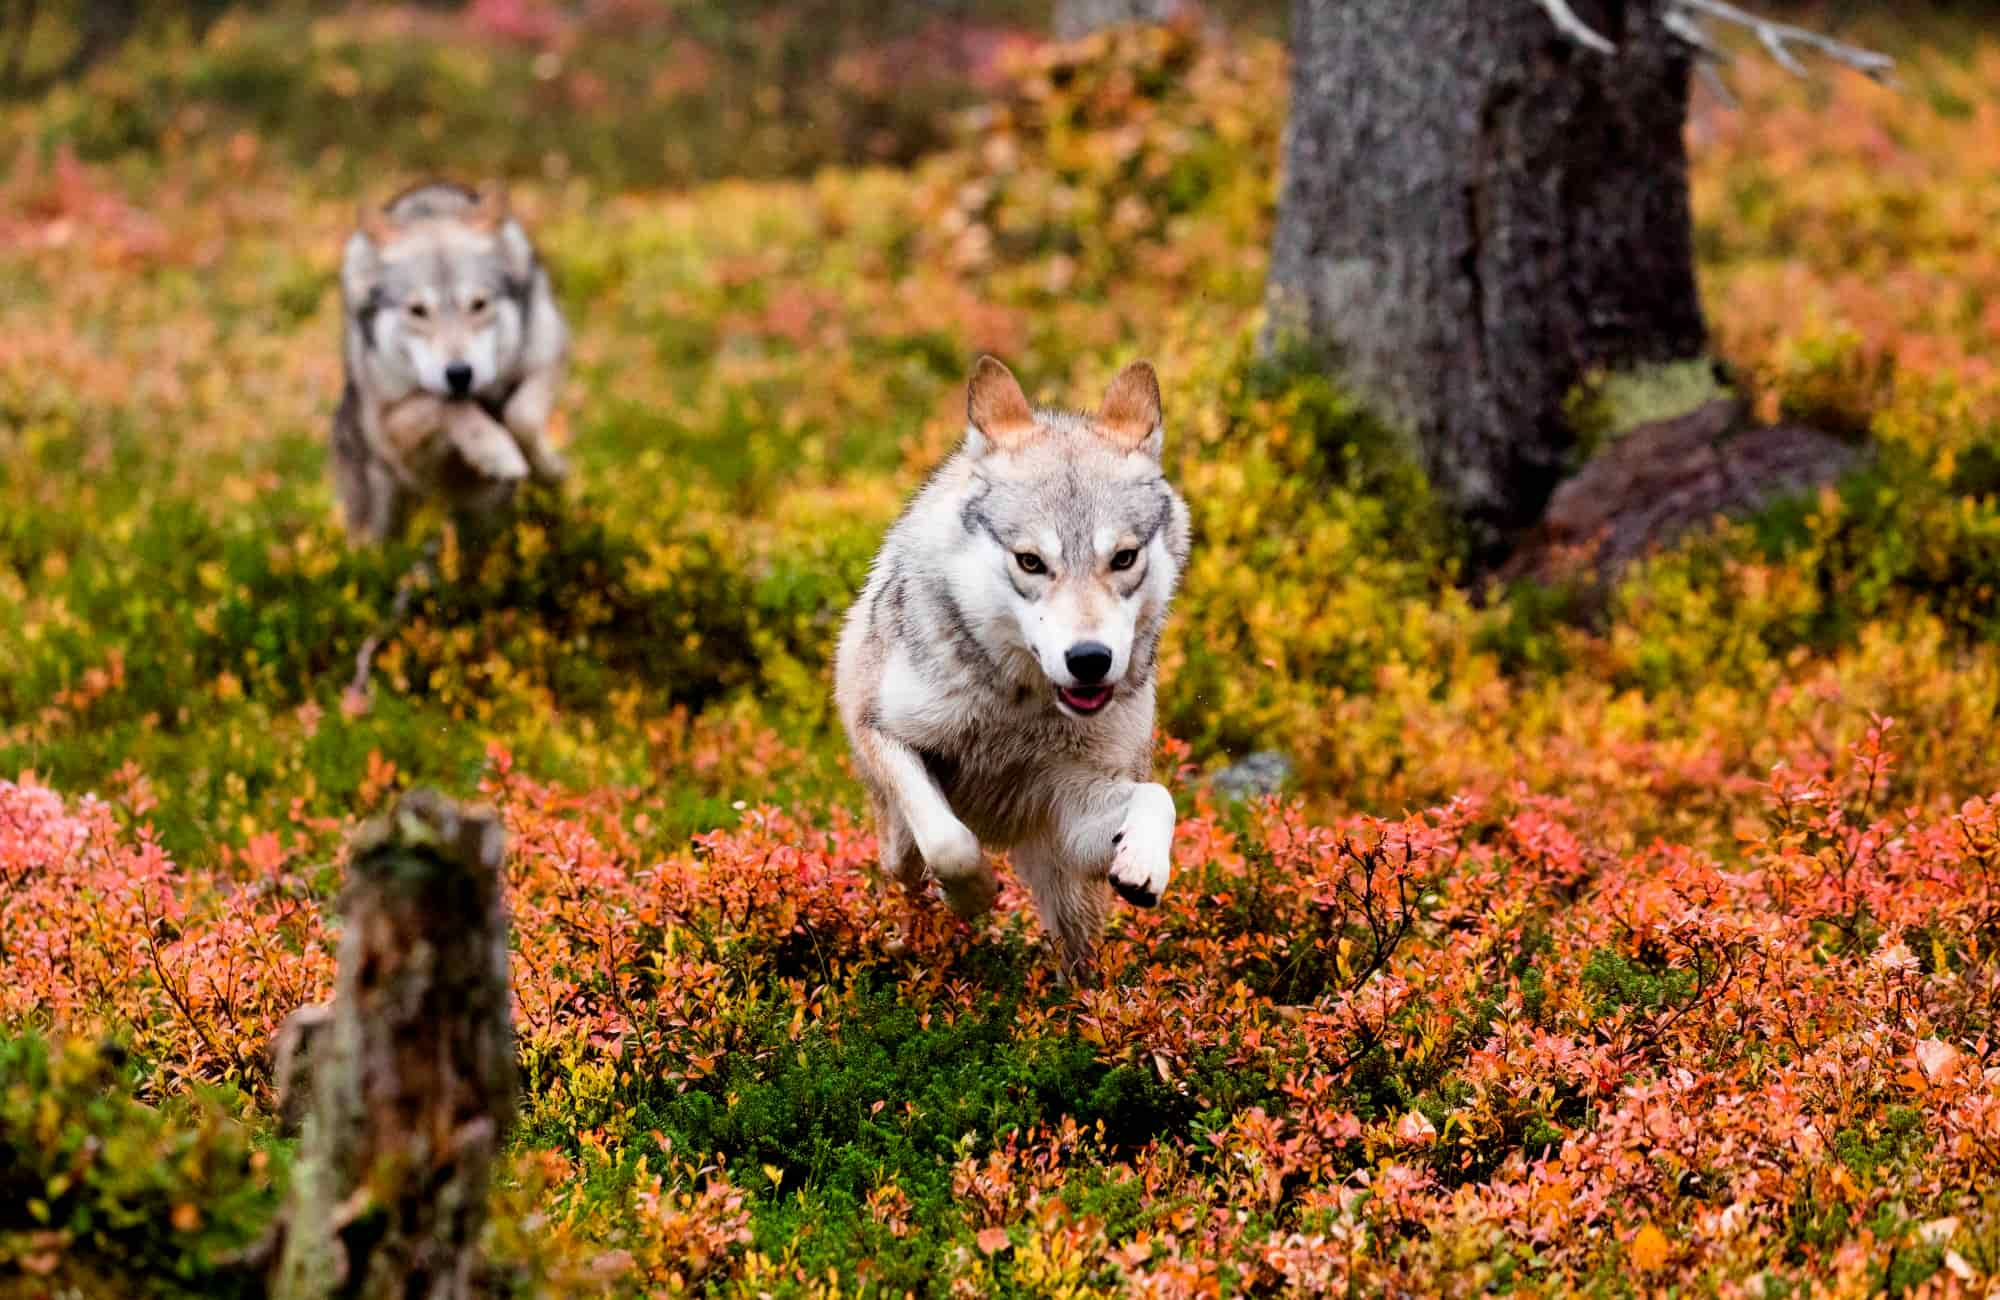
[[454, 348], [996, 675]]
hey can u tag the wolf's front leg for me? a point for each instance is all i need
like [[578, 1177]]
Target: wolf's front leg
[[410, 421], [527, 418], [902, 868], [946, 844], [1130, 824], [483, 443], [1143, 854]]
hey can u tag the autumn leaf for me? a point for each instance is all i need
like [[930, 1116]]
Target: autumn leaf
[[1650, 1249], [1937, 1059]]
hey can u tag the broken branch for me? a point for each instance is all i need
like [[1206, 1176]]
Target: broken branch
[[1684, 19], [1574, 27], [1778, 38]]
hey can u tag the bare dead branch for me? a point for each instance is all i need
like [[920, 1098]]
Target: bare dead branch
[[1684, 19], [1716, 85], [1683, 25], [1777, 38], [1573, 27]]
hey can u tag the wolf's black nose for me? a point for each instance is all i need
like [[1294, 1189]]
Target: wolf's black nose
[[459, 376], [1088, 661]]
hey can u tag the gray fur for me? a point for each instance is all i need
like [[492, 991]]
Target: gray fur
[[439, 276], [951, 660]]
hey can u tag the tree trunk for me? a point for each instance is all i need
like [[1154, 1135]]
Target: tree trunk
[[1476, 211], [1074, 18], [409, 1072]]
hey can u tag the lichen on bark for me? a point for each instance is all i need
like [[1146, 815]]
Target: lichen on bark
[[408, 1072]]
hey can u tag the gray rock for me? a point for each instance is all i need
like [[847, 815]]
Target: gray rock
[[1264, 772]]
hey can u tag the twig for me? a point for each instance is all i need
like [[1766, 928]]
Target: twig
[[1573, 27], [175, 992], [1716, 85], [1683, 18], [1777, 38], [399, 609]]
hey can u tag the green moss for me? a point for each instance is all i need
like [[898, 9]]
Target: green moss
[[1621, 981], [807, 1108], [1610, 404]]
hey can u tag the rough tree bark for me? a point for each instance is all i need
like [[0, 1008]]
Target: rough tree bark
[[1476, 211], [1074, 18], [409, 1071]]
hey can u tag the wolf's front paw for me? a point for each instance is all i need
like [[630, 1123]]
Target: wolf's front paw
[[959, 867], [496, 458], [951, 851], [1138, 874], [1142, 854], [483, 444], [970, 897]]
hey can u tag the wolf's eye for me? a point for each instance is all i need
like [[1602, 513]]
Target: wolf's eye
[[478, 305], [1030, 562], [420, 311], [1125, 559]]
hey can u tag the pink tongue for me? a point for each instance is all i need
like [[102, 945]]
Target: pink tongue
[[1086, 697]]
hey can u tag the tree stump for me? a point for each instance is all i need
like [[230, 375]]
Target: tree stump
[[1664, 478], [408, 1074]]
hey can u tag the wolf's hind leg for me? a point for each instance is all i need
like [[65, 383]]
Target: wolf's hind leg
[[1071, 900], [372, 503]]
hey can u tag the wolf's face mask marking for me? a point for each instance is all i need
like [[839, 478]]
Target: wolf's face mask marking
[[1072, 561]]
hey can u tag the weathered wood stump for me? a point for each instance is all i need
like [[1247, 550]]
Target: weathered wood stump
[[408, 1075], [1664, 478]]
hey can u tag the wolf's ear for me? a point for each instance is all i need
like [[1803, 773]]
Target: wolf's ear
[[489, 207], [997, 409], [361, 256], [1129, 415]]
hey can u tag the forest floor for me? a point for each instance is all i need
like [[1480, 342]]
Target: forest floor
[[1605, 943]]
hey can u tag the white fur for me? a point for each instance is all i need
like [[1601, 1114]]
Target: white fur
[[440, 289], [951, 663]]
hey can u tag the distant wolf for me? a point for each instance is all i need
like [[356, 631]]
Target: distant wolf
[[454, 348], [996, 675]]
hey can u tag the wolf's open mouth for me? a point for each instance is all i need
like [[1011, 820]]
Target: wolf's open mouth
[[1085, 699]]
